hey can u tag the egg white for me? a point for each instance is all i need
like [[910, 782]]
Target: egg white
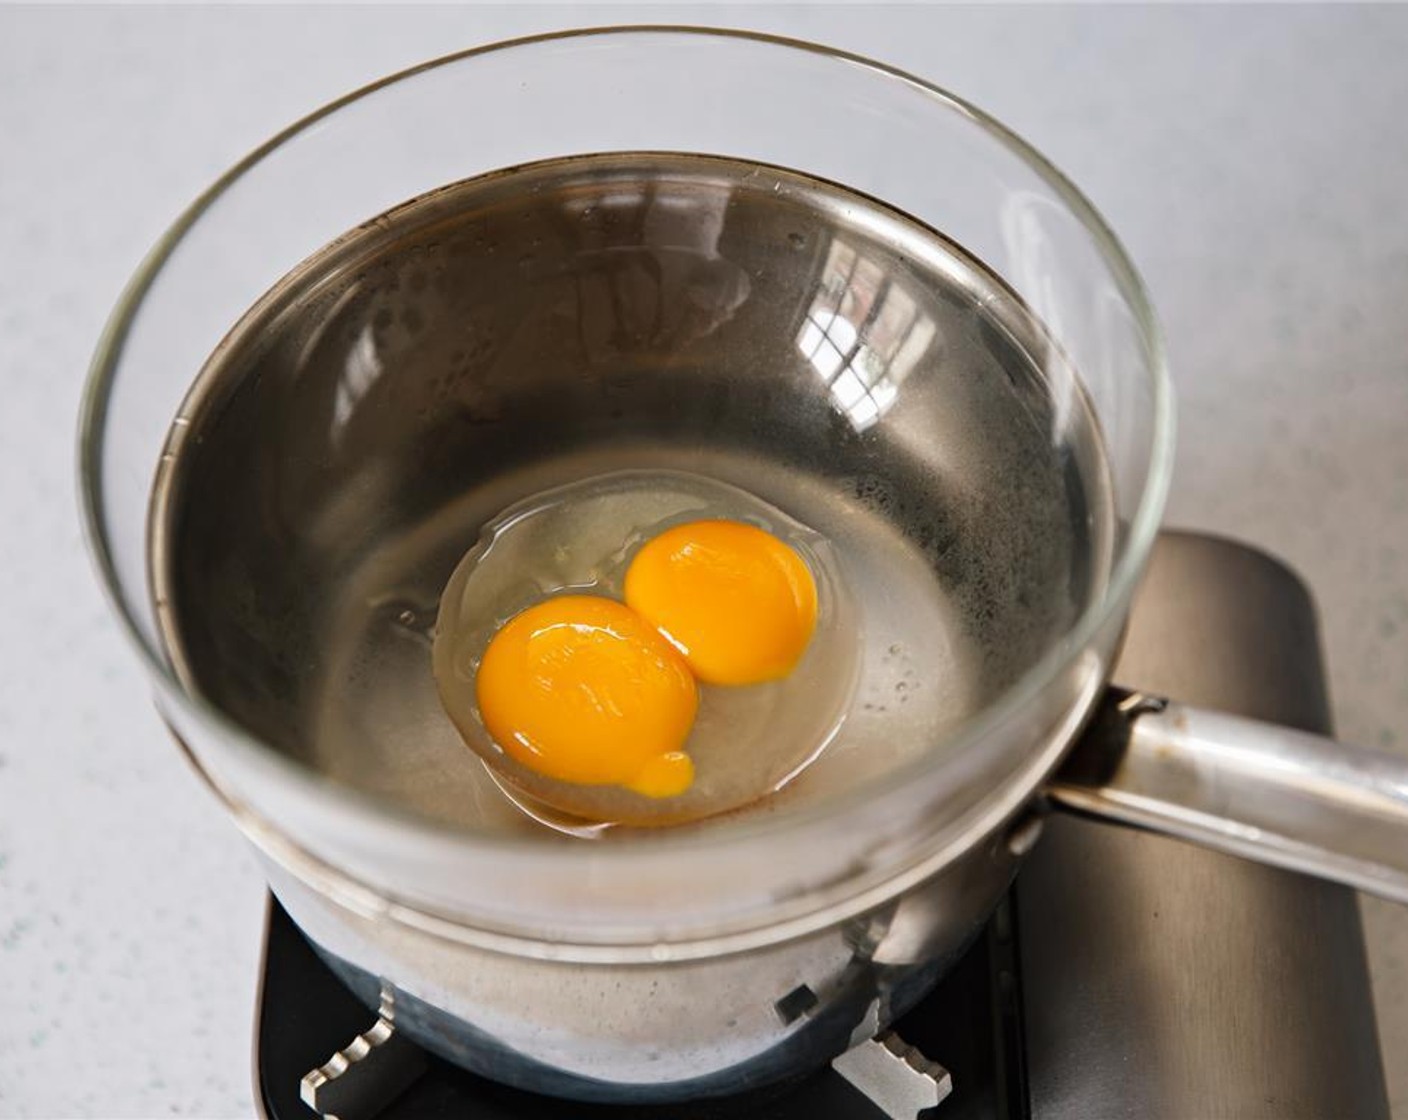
[[747, 741]]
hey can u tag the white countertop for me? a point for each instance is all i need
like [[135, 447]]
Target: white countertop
[[1254, 160]]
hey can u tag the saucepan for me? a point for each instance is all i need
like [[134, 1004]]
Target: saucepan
[[781, 267]]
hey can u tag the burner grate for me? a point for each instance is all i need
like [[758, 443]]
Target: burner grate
[[307, 1018]]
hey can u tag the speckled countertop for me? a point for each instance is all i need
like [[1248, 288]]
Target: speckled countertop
[[1255, 161]]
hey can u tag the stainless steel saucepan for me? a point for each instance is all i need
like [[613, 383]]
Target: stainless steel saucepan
[[705, 251]]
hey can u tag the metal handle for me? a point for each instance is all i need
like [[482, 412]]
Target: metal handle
[[1253, 789]]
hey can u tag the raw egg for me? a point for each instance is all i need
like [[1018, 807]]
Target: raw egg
[[738, 603], [646, 647], [582, 689]]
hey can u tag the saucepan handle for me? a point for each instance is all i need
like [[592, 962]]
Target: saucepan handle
[[1253, 789]]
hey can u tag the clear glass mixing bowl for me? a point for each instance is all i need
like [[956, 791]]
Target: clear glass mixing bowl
[[827, 114]]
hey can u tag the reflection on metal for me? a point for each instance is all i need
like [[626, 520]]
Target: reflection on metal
[[359, 1081], [863, 334], [896, 1077], [1253, 789]]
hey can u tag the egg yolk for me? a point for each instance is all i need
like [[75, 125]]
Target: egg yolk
[[738, 603], [582, 689]]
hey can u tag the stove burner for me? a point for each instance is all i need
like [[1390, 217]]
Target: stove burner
[[312, 1030]]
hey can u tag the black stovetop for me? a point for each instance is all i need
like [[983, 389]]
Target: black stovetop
[[970, 1024]]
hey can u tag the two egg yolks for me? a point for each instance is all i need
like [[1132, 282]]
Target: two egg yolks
[[588, 690]]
